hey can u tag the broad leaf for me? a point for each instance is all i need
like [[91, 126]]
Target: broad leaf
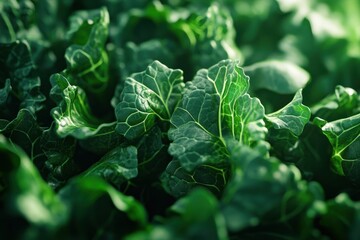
[[25, 132], [148, 96], [292, 117], [178, 181], [280, 77], [59, 163], [215, 104], [285, 127], [152, 155], [344, 136]]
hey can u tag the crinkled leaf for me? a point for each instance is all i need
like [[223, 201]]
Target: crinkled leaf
[[15, 19], [59, 153], [213, 37], [152, 155], [277, 76], [112, 213], [343, 103], [178, 181], [214, 104], [344, 136], [87, 60], [23, 90], [25, 132], [285, 127], [116, 167], [73, 116], [146, 97], [292, 117]]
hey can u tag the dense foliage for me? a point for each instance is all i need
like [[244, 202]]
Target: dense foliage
[[149, 119]]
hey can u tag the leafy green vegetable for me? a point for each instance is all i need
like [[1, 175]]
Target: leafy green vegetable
[[147, 96], [169, 119], [21, 84], [280, 77], [73, 116], [344, 136]]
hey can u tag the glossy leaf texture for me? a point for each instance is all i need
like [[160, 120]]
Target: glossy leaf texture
[[21, 83], [215, 104], [87, 60], [73, 116], [344, 136], [285, 126], [147, 97]]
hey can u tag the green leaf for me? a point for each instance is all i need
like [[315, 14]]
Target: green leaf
[[152, 155], [21, 82], [15, 20], [344, 136], [87, 60], [4, 92], [198, 211], [343, 103], [195, 216], [213, 36], [146, 97], [112, 213], [27, 197], [116, 167], [262, 190], [339, 217], [277, 76], [73, 116], [215, 104], [292, 117], [25, 132], [285, 127], [59, 163], [178, 181]]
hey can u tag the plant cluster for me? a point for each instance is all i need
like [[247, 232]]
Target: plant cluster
[[179, 119]]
